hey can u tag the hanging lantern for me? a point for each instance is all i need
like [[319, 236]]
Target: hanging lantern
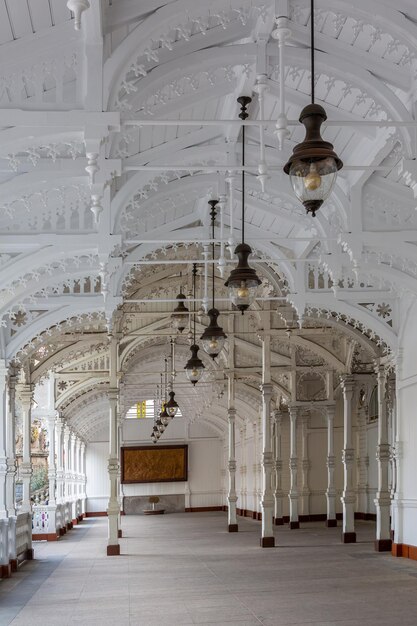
[[163, 416], [313, 165], [179, 315], [195, 367], [243, 280], [172, 406], [213, 337]]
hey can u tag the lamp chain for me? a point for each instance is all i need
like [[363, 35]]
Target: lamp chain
[[312, 49]]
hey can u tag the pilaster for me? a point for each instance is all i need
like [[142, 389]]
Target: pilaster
[[331, 491], [305, 466], [383, 497], [293, 493], [348, 498], [267, 502], [277, 467], [25, 393]]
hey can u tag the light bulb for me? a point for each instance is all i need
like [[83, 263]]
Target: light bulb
[[214, 344], [243, 291], [194, 373], [313, 179]]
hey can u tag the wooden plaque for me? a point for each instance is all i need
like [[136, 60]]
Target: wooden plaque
[[154, 464]]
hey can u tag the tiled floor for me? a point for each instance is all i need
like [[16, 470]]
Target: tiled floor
[[186, 569]]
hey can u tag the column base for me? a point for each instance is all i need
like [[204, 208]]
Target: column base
[[294, 525], [278, 521], [113, 550], [119, 533], [13, 565], [349, 537], [383, 545], [267, 542], [233, 528], [62, 532], [5, 571], [331, 523]]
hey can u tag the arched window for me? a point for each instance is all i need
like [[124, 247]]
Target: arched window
[[373, 405]]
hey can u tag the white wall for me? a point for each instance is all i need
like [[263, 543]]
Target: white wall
[[205, 462], [98, 485]]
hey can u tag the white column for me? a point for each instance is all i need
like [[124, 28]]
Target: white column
[[331, 491], [278, 494], [83, 477], [267, 501], [231, 496], [113, 547], [362, 462], [3, 451], [348, 498], [383, 498], [50, 420], [243, 469], [305, 466], [25, 469], [59, 445], [293, 493], [72, 456], [11, 448], [67, 482]]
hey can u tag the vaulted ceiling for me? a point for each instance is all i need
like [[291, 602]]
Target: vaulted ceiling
[[114, 138]]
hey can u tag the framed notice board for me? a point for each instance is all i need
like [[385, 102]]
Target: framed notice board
[[154, 464]]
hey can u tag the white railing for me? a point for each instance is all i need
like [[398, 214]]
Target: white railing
[[23, 533], [59, 517], [78, 508]]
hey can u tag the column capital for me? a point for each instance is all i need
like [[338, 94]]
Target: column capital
[[330, 411], [293, 410], [113, 393], [347, 383], [25, 395], [267, 389], [231, 414]]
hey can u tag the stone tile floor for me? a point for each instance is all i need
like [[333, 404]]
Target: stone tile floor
[[185, 568]]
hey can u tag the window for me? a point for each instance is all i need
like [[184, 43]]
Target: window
[[145, 409]]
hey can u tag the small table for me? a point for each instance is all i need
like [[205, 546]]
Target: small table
[[153, 511]]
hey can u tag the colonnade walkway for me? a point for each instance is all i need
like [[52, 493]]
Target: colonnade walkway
[[186, 569]]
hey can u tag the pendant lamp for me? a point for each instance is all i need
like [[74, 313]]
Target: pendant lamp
[[194, 367], [214, 336], [243, 280], [313, 165], [179, 314]]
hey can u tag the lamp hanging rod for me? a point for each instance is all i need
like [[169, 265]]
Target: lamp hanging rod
[[194, 122], [236, 168]]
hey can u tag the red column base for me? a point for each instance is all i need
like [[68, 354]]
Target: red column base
[[62, 532], [13, 564], [113, 550], [5, 571], [294, 525], [267, 542], [349, 537], [383, 545], [278, 521], [233, 528], [119, 533], [331, 523]]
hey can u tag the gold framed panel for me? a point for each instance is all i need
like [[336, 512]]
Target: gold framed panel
[[154, 464]]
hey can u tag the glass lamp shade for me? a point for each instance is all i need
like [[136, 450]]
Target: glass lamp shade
[[213, 337], [313, 165], [154, 439], [160, 426], [172, 406], [179, 315], [194, 367], [243, 280], [163, 416]]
